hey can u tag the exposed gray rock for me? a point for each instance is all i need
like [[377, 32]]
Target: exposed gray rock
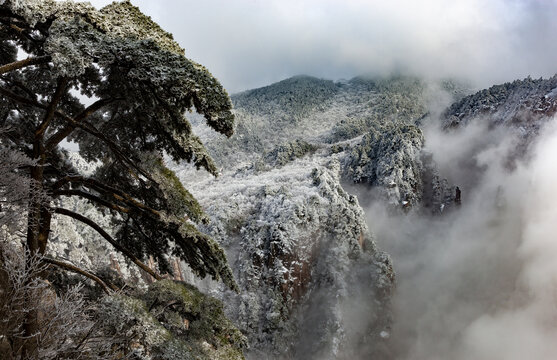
[[438, 195]]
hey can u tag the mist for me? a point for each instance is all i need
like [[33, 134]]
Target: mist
[[252, 43], [478, 282]]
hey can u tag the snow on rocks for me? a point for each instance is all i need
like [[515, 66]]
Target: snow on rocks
[[300, 249]]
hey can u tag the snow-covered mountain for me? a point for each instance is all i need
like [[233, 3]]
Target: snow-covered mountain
[[314, 284], [299, 179]]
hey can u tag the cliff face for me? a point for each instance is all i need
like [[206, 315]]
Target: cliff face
[[314, 284], [301, 252]]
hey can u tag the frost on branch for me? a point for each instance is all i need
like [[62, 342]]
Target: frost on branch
[[66, 328]]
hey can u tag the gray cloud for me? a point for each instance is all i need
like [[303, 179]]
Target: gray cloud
[[250, 43]]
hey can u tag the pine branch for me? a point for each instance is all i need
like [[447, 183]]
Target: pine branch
[[111, 191], [24, 63], [114, 148], [77, 270], [20, 85], [108, 238], [21, 99], [90, 129], [51, 109], [19, 28], [93, 198], [63, 133]]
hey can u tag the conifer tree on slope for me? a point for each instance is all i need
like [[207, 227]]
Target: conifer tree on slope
[[140, 84]]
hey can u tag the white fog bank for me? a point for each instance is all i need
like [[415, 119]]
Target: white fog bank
[[480, 282]]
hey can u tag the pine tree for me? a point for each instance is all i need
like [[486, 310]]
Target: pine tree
[[115, 83]]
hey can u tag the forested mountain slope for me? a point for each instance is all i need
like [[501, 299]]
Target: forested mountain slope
[[307, 158], [314, 284]]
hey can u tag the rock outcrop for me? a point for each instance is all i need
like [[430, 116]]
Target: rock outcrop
[[388, 156], [302, 252]]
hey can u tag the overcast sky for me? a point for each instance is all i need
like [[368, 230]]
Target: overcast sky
[[252, 43]]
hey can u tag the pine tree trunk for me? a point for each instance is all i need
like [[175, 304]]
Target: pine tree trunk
[[31, 326], [38, 227]]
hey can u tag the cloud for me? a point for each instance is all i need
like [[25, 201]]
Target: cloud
[[479, 282], [524, 325], [250, 43]]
